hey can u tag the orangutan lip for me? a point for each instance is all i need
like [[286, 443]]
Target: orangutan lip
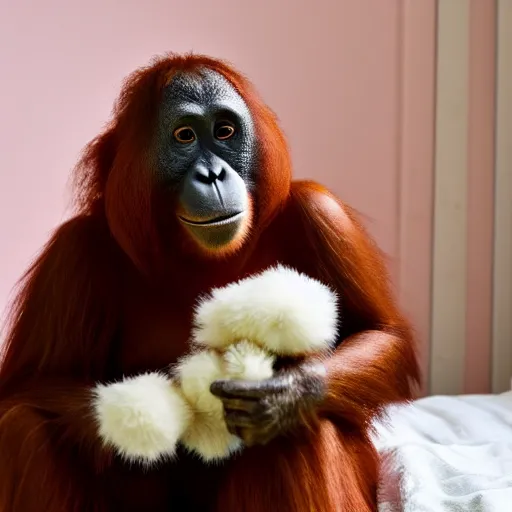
[[217, 221]]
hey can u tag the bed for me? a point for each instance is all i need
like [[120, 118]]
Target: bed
[[447, 453]]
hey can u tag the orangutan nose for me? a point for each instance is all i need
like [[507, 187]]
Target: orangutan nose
[[209, 175], [212, 190]]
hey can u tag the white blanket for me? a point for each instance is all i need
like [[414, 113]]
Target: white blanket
[[447, 454]]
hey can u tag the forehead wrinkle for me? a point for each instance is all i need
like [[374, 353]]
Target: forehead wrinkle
[[178, 95], [228, 104], [205, 87], [189, 109]]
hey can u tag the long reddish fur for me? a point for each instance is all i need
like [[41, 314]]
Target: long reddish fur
[[112, 294]]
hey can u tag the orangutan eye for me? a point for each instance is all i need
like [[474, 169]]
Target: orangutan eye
[[224, 130], [185, 135]]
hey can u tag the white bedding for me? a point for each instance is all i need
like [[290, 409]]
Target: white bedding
[[447, 454]]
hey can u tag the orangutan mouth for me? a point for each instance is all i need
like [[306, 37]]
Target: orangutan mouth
[[216, 221]]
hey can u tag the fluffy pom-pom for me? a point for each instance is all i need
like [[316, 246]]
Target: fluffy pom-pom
[[280, 309], [196, 372], [210, 440], [207, 435], [247, 361], [141, 417]]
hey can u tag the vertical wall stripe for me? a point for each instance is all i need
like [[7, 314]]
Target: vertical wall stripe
[[502, 297], [418, 46], [450, 214], [480, 207]]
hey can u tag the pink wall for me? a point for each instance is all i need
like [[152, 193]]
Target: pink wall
[[363, 69], [481, 144]]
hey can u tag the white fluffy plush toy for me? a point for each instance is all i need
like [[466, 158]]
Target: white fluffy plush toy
[[239, 330]]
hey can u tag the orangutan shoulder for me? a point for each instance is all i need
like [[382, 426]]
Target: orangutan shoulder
[[322, 207]]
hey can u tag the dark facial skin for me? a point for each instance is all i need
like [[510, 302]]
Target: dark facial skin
[[207, 149]]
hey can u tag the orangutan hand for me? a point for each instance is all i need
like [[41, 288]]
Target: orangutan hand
[[258, 411]]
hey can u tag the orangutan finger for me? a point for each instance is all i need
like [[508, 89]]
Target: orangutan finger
[[235, 430], [238, 419], [243, 433], [247, 388], [247, 436], [259, 417], [237, 404], [236, 389]]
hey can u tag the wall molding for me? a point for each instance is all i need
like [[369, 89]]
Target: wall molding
[[450, 201], [502, 292], [480, 200]]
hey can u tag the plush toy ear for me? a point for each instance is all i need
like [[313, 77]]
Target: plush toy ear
[[207, 435], [282, 310], [141, 417]]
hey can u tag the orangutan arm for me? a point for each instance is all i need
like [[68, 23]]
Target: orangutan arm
[[61, 329], [376, 364]]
